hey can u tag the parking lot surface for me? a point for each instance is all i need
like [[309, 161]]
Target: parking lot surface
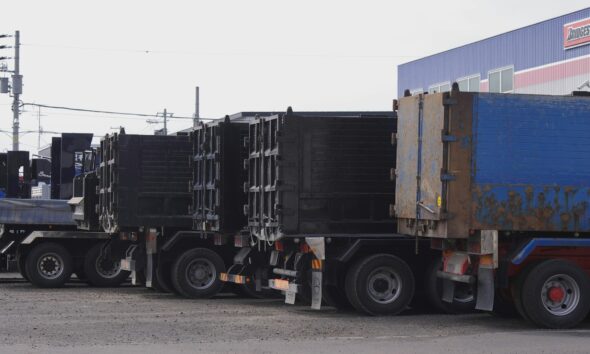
[[130, 319]]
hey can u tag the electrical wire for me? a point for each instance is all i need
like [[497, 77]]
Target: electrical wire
[[188, 52], [110, 112]]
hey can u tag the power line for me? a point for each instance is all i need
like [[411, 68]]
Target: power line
[[188, 52], [144, 115]]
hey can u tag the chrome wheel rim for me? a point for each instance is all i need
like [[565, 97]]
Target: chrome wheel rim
[[384, 285], [560, 295], [201, 274], [50, 265]]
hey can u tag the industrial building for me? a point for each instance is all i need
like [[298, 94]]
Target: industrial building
[[549, 57]]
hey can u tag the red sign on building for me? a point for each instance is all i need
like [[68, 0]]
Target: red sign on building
[[576, 33]]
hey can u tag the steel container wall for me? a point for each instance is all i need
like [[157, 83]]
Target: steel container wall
[[324, 174], [144, 180], [468, 162], [219, 150]]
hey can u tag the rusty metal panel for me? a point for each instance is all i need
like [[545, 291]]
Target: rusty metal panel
[[509, 163], [407, 158], [431, 155]]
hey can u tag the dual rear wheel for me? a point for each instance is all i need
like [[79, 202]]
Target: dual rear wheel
[[50, 265]]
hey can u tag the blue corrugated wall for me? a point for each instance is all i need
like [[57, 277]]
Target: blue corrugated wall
[[527, 47], [531, 161]]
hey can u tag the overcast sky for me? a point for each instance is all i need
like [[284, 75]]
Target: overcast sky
[[144, 56]]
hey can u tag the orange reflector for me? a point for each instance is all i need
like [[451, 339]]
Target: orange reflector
[[223, 277], [281, 284], [239, 279], [279, 246], [316, 264], [304, 248]]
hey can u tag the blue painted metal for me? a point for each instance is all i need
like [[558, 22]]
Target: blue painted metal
[[530, 162], [35, 212], [524, 48], [535, 243]]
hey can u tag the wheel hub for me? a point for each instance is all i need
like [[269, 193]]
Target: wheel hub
[[201, 273], [384, 285], [556, 294], [50, 266], [107, 268], [560, 294]]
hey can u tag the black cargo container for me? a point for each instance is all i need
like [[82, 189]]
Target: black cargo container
[[66, 156], [3, 171], [144, 181], [18, 175], [40, 171], [320, 174], [218, 176]]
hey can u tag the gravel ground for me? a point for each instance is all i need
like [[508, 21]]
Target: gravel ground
[[132, 319]]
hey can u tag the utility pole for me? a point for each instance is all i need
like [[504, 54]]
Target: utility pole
[[165, 122], [196, 116], [16, 91], [165, 115]]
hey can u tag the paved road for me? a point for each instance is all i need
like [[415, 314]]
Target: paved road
[[136, 320]]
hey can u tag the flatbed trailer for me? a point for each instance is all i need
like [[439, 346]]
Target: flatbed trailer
[[41, 236], [500, 184], [318, 229]]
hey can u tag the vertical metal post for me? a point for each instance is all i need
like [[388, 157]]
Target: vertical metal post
[[16, 95], [165, 122], [196, 117], [39, 130]]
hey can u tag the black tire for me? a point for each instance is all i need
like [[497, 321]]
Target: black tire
[[102, 272], [556, 294], [205, 266], [464, 301], [371, 285], [21, 265], [161, 281], [504, 304], [516, 291], [49, 265], [335, 294]]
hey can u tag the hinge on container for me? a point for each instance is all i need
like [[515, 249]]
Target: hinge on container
[[448, 138], [393, 138], [448, 100], [392, 174], [447, 177]]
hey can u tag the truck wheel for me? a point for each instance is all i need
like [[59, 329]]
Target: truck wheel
[[516, 290], [381, 284], [556, 294], [161, 280], [195, 274], [48, 265], [503, 304], [21, 265], [102, 271], [464, 300]]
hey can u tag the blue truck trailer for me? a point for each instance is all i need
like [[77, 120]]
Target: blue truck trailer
[[501, 184]]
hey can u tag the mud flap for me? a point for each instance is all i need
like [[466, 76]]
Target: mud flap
[[448, 290], [485, 289], [150, 250], [316, 290], [290, 297]]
